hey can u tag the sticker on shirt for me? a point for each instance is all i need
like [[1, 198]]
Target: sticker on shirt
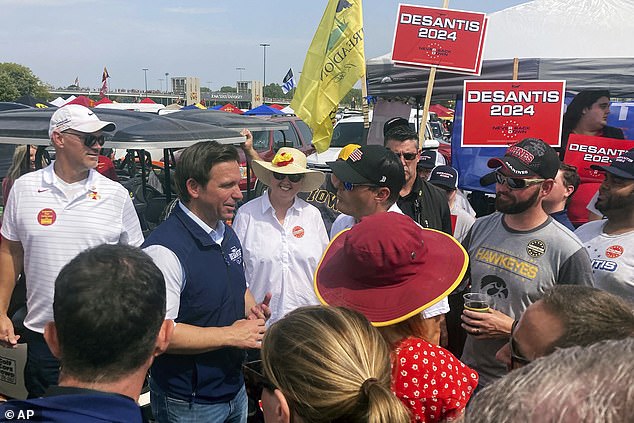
[[94, 195], [614, 251], [536, 248], [298, 232], [235, 254], [46, 217]]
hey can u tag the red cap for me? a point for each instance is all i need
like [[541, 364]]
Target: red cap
[[389, 268]]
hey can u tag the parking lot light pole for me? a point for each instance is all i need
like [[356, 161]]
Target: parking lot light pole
[[264, 45], [145, 75]]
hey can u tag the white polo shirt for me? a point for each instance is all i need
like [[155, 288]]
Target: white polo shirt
[[53, 229], [281, 258]]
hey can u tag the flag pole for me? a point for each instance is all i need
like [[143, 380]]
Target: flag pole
[[422, 127]]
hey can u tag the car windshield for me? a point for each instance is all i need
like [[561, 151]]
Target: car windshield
[[261, 140]]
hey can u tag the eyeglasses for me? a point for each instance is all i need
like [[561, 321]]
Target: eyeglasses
[[516, 183], [515, 357], [407, 156], [349, 186], [255, 381], [89, 139], [295, 177]]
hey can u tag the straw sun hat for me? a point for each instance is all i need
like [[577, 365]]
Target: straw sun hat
[[288, 161]]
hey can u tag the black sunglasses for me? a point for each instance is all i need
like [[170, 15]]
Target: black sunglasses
[[407, 156], [89, 139], [255, 381], [515, 357], [294, 177], [516, 183]]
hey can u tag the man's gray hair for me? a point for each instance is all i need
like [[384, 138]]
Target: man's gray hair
[[577, 384], [588, 315]]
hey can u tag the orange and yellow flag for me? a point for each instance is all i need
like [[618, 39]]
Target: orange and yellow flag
[[334, 63]]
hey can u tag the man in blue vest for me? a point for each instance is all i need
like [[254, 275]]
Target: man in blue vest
[[200, 377]]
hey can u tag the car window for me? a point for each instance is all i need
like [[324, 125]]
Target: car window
[[347, 133], [291, 139], [304, 129], [261, 140]]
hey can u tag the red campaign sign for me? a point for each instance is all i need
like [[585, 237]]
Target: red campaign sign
[[583, 151], [448, 39], [500, 113]]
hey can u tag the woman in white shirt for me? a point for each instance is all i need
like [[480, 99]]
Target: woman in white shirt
[[282, 236]]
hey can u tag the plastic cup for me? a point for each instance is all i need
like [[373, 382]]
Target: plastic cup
[[476, 301]]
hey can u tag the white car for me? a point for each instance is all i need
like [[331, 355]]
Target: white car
[[349, 130]]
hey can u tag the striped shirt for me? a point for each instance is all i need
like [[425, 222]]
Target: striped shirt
[[54, 224]]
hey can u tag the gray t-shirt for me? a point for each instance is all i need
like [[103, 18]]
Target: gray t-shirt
[[516, 268], [612, 258]]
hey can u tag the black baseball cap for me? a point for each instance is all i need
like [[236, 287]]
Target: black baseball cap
[[445, 177], [393, 123], [429, 159], [371, 164], [621, 166], [529, 157]]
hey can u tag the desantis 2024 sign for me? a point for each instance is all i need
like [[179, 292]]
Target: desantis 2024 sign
[[448, 39], [500, 113]]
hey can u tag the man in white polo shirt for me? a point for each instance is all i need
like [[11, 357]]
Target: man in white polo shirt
[[52, 215]]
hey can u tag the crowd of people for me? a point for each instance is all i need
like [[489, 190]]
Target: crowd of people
[[364, 322]]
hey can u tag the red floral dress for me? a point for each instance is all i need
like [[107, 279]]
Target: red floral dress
[[433, 384]]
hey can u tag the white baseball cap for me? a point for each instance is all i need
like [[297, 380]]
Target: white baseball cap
[[79, 118]]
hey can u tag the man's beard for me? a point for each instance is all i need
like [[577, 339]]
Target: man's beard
[[610, 202], [508, 205]]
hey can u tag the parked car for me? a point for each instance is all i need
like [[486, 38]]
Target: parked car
[[266, 143], [349, 130]]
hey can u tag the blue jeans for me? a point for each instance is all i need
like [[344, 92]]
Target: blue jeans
[[172, 410], [42, 368]]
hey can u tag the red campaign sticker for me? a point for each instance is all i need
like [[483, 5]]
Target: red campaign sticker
[[501, 113], [298, 232], [46, 217], [614, 251]]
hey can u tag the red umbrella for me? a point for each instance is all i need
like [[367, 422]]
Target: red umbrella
[[147, 100], [82, 100], [231, 108], [104, 100], [441, 111]]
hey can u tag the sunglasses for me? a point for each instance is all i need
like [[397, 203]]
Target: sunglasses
[[515, 357], [89, 139], [516, 183], [255, 381], [407, 156], [295, 177], [349, 186]]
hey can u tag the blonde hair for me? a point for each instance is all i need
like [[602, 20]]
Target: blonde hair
[[416, 326], [331, 365], [17, 168]]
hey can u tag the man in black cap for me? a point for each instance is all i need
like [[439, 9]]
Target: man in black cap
[[517, 253], [369, 182], [418, 199], [610, 242]]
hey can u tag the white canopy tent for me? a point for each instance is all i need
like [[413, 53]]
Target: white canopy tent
[[562, 29]]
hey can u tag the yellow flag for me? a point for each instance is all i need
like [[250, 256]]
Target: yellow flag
[[334, 63]]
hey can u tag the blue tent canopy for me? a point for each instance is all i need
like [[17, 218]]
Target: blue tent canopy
[[217, 107], [263, 110]]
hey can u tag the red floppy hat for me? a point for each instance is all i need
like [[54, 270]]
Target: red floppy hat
[[389, 268]]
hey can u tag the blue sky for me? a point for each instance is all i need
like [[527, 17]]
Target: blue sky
[[63, 39]]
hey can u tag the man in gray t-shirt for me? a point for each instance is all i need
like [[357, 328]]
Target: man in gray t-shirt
[[517, 253]]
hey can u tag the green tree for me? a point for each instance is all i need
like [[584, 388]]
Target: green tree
[[8, 91], [227, 89], [273, 91], [21, 79], [355, 94]]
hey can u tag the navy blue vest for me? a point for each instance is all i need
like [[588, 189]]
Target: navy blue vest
[[213, 296]]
